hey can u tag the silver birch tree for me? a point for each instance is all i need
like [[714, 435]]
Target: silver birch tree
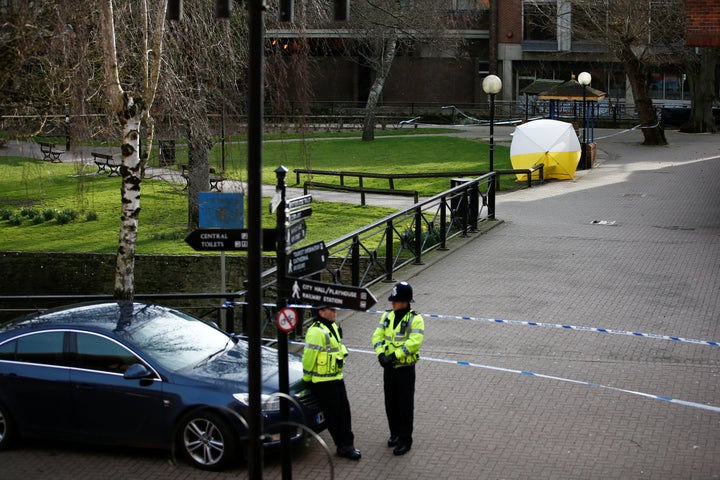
[[132, 109]]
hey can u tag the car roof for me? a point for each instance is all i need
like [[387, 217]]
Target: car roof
[[103, 315]]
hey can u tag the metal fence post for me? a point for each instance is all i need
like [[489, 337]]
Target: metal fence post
[[443, 223], [474, 206], [491, 196], [389, 251], [355, 272], [418, 236]]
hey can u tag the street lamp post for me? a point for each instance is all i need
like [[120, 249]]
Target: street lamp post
[[492, 85], [584, 79], [67, 128]]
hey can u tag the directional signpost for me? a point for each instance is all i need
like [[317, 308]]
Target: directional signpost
[[275, 201], [343, 296], [295, 233], [291, 229], [213, 239], [296, 215], [307, 260], [297, 202]]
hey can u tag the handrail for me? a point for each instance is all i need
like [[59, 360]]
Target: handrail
[[392, 176], [453, 212], [362, 190]]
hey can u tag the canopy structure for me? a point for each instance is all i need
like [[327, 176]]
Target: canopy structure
[[574, 91], [551, 142], [571, 90], [537, 87]]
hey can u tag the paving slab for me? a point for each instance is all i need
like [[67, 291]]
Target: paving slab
[[620, 270]]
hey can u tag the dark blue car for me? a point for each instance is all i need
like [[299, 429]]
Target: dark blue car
[[139, 375]]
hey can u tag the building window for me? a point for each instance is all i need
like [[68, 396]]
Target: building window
[[668, 86], [589, 22], [540, 20], [465, 5]]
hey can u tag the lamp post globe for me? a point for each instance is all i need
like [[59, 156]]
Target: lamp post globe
[[584, 79], [492, 85]]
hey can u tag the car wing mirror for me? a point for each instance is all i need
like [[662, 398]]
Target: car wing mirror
[[136, 371]]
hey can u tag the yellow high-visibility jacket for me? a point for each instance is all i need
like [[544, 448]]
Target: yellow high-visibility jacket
[[323, 356], [404, 341]]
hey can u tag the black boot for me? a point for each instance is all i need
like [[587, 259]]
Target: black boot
[[349, 451], [392, 441], [401, 448]]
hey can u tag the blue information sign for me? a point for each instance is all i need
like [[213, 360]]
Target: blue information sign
[[221, 210]]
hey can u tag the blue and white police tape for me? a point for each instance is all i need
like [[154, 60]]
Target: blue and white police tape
[[568, 327], [677, 401], [557, 325]]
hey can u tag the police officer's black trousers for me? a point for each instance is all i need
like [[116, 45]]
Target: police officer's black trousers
[[400, 401], [334, 403]]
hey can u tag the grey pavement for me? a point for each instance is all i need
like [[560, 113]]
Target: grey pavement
[[632, 245]]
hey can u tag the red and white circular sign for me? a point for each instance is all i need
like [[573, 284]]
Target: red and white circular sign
[[287, 319]]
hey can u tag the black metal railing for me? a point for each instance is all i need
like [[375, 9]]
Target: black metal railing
[[362, 258], [374, 253]]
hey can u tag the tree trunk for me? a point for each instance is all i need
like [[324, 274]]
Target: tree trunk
[[701, 76], [131, 111], [131, 173], [198, 172], [387, 52], [637, 74]]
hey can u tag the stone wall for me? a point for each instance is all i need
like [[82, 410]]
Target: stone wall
[[30, 273]]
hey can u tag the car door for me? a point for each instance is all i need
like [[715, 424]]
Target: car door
[[107, 407], [35, 382]]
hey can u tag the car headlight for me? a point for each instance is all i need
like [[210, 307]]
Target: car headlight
[[268, 403]]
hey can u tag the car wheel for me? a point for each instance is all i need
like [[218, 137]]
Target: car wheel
[[7, 432], [208, 440]]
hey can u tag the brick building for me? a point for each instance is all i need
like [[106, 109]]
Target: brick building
[[703, 23], [517, 42]]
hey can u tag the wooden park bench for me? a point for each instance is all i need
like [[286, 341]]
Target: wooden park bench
[[49, 152], [107, 164], [215, 180]]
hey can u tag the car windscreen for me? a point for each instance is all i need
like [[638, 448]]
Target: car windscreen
[[173, 339]]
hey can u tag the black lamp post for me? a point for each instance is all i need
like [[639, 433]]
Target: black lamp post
[[67, 129], [492, 85], [584, 79]]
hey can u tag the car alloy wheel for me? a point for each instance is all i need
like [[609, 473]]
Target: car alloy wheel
[[6, 429], [208, 441]]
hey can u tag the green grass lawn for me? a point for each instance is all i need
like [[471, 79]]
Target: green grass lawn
[[36, 187], [408, 154]]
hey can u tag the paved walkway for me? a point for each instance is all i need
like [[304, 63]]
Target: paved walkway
[[632, 245]]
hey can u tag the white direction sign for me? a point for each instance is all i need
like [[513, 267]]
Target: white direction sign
[[343, 296], [295, 233], [298, 202], [276, 200]]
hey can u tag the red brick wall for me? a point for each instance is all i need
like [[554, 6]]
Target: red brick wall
[[703, 23], [444, 80], [509, 21]]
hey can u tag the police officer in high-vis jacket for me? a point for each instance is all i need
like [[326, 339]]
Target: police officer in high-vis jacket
[[397, 342], [323, 360]]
